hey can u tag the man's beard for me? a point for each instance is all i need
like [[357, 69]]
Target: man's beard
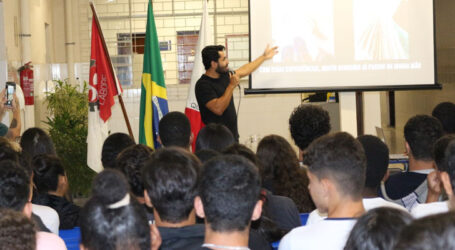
[[222, 70]]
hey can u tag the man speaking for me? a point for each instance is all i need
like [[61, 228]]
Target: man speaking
[[215, 88]]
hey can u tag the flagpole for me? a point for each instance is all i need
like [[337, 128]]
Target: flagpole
[[125, 115]]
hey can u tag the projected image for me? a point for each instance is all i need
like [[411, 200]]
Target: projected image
[[379, 30], [303, 30]]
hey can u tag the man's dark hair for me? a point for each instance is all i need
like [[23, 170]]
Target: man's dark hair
[[16, 231], [47, 169], [432, 232], [130, 162], [7, 152], [229, 190], [377, 155], [378, 229], [14, 186], [421, 132], [214, 136], [242, 150], [340, 158], [445, 113], [112, 146], [204, 155], [175, 130], [308, 122], [35, 142], [449, 162], [210, 53], [170, 178], [439, 149]]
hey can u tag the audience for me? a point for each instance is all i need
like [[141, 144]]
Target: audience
[[307, 123], [336, 169], [281, 173], [112, 220], [410, 188], [16, 231], [52, 184], [378, 229], [15, 194], [214, 136], [228, 200], [175, 130], [170, 179], [35, 141], [445, 113], [112, 146]]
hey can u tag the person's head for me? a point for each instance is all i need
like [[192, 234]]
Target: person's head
[[130, 162], [229, 194], [445, 113], [378, 229], [111, 219], [112, 146], [308, 122], [447, 175], [214, 57], [15, 189], [420, 133], [170, 180], [214, 136], [7, 151], [16, 231], [205, 155], [377, 155], [34, 141], [336, 165], [242, 150], [435, 232], [175, 130], [439, 150], [49, 174]]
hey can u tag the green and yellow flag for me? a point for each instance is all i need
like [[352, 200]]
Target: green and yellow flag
[[153, 88]]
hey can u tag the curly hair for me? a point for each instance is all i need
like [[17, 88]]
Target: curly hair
[[280, 167], [308, 122], [16, 231]]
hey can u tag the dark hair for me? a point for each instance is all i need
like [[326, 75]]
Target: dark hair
[[435, 232], [445, 113], [378, 229], [7, 151], [439, 149], [421, 132], [308, 122], [175, 130], [170, 178], [47, 169], [341, 158], [34, 141], [210, 53], [112, 146], [242, 150], [214, 136], [377, 155], [14, 186], [449, 162], [130, 162], [205, 155], [229, 190], [16, 231], [110, 228], [280, 169]]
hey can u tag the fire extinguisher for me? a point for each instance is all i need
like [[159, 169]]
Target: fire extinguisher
[[26, 77]]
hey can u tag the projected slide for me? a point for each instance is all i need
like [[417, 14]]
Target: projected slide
[[336, 44]]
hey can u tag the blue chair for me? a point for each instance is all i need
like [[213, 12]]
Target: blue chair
[[71, 237], [303, 219]]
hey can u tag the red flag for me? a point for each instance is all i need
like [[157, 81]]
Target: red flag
[[103, 82]]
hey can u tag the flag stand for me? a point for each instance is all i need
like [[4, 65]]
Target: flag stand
[[125, 115]]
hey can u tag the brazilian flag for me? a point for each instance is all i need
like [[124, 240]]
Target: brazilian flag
[[153, 89]]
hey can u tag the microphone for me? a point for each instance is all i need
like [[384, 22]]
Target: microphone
[[231, 73]]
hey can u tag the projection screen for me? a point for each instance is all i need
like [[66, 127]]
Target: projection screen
[[343, 45]]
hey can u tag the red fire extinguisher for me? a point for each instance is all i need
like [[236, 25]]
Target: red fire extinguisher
[[26, 77]]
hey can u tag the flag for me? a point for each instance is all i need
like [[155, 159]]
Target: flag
[[104, 86], [153, 88], [192, 107]]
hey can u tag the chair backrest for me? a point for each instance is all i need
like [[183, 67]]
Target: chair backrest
[[71, 237]]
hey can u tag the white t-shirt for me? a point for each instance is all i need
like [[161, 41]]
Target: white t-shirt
[[368, 204], [49, 241], [328, 234], [425, 209], [49, 217]]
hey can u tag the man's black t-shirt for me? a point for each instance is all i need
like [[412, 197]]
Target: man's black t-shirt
[[207, 89]]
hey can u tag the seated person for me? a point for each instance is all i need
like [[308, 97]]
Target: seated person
[[214, 136], [16, 231], [113, 220], [52, 184], [170, 180], [336, 169], [175, 130], [410, 188], [228, 200], [379, 228], [445, 113], [112, 146], [34, 141]]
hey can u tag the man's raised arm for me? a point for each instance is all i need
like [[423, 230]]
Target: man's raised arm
[[252, 66]]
